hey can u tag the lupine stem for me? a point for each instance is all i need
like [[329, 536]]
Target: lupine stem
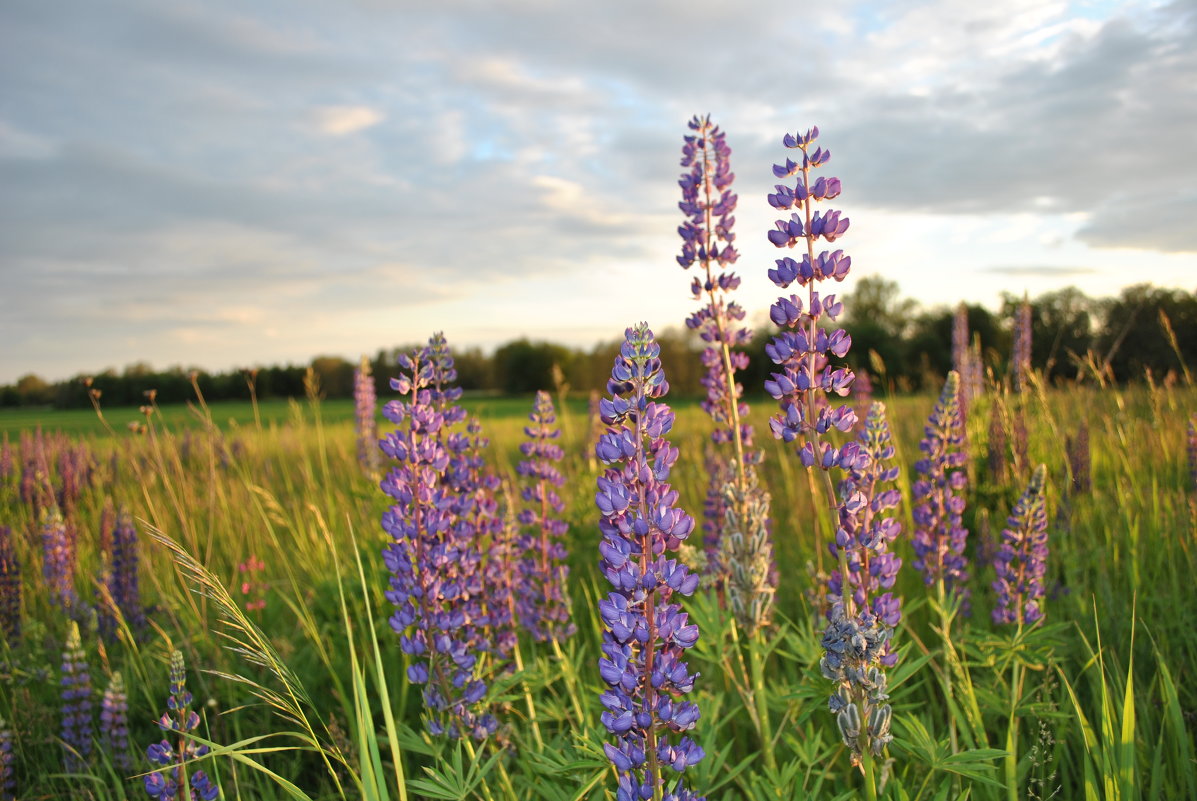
[[945, 622], [1011, 761], [519, 665], [870, 780], [759, 697]]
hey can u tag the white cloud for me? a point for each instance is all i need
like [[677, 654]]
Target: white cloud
[[343, 120]]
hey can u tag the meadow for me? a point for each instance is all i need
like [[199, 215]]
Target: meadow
[[828, 592], [1107, 715]]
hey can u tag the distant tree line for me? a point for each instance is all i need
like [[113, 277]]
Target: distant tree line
[[1144, 329]]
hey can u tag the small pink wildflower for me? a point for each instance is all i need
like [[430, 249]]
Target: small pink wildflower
[[250, 586]]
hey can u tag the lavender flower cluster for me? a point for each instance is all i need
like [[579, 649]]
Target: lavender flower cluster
[[173, 774], [804, 349], [365, 410], [58, 560], [77, 728], [966, 360], [543, 600], [10, 588], [122, 579], [114, 723], [866, 530], [707, 239], [433, 559], [857, 639], [939, 534], [646, 633], [474, 489], [1021, 356], [1021, 560]]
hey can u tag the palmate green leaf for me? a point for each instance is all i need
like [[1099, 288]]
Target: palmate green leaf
[[456, 784], [555, 761], [975, 764]]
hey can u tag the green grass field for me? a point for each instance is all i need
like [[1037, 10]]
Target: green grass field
[[1093, 705]]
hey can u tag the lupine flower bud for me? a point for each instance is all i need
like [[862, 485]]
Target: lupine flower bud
[[77, 726], [940, 535], [1021, 560], [853, 649], [746, 552], [645, 634], [10, 589], [365, 404], [114, 723]]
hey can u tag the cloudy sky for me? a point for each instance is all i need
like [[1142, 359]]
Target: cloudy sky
[[229, 183]]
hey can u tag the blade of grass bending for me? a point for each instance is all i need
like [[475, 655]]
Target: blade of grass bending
[[255, 647], [1126, 743], [370, 782], [380, 677], [1181, 754]]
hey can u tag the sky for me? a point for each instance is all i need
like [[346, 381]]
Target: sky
[[221, 184]]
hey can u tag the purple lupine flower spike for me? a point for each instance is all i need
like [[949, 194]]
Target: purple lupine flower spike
[[179, 720], [804, 349], [486, 583], [114, 723], [123, 581], [77, 727], [8, 776], [962, 357], [645, 633], [6, 460], [10, 589], [1080, 461], [1021, 356], [1021, 560], [866, 529], [543, 598], [433, 558], [998, 443], [709, 203], [365, 410], [862, 392], [939, 534], [1193, 454], [58, 560], [858, 643]]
